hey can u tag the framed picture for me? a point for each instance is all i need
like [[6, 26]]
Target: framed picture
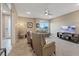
[[29, 24]]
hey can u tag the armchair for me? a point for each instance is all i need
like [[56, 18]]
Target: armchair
[[40, 47]]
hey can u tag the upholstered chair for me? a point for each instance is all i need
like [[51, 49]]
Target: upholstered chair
[[40, 47], [29, 38]]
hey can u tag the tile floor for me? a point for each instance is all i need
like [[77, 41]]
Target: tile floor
[[7, 44], [63, 48], [21, 48]]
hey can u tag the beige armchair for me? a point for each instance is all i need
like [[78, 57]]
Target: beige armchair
[[40, 47]]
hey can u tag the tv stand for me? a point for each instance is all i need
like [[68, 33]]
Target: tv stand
[[72, 37]]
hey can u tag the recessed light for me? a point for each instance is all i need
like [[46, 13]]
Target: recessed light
[[28, 12]]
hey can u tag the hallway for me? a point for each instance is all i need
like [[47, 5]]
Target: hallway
[[21, 48]]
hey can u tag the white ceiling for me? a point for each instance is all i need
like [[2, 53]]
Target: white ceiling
[[37, 9]]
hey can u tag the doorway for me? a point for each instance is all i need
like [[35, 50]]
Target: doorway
[[6, 28]]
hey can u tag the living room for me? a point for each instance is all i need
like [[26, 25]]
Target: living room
[[44, 21]]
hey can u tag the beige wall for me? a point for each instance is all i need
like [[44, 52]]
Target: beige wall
[[22, 24], [68, 19]]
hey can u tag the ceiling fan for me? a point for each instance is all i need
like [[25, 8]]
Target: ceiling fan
[[47, 12]]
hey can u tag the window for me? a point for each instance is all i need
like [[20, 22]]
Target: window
[[43, 26]]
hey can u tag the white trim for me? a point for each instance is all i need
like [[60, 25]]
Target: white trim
[[1, 28]]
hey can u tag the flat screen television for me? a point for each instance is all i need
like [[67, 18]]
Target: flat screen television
[[69, 29]]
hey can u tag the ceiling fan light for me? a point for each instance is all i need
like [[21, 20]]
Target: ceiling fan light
[[46, 14]]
